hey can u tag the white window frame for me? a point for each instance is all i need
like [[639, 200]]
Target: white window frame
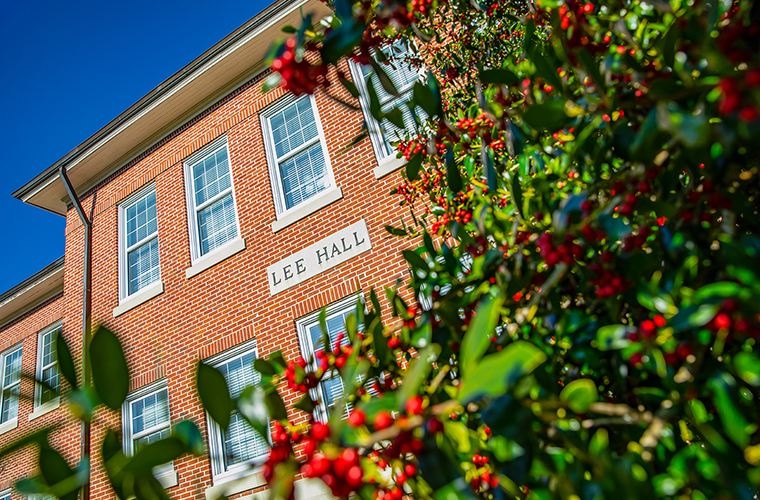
[[389, 163], [40, 407], [216, 446], [13, 422], [346, 304], [165, 474], [129, 301], [5, 494], [236, 244], [286, 216]]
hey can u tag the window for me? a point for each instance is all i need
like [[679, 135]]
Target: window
[[299, 165], [310, 335], [212, 214], [234, 450], [11, 380], [47, 368], [5, 495], [145, 419], [138, 240], [403, 76]]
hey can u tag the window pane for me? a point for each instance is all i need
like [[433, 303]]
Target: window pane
[[292, 127], [304, 175], [211, 176], [47, 342], [50, 379], [150, 411], [142, 220], [142, 266], [241, 443], [217, 224], [150, 438]]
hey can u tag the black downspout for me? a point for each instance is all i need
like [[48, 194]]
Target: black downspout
[[86, 313]]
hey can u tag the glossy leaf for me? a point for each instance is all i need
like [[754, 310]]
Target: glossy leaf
[[110, 374], [65, 360], [580, 394], [214, 394], [482, 327]]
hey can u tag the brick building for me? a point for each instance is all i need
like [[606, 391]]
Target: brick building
[[223, 218]]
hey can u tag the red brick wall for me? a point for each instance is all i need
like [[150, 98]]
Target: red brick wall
[[229, 303], [65, 438]]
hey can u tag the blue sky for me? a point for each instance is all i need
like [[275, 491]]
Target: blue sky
[[68, 68]]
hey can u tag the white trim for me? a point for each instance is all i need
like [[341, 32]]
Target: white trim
[[216, 256], [251, 479], [51, 405], [292, 214], [163, 473], [9, 425], [153, 290], [124, 295], [386, 164], [5, 494], [39, 409], [313, 204], [346, 304], [242, 473], [192, 209], [5, 426]]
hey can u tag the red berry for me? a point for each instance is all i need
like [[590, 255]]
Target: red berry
[[414, 405], [648, 329], [383, 420], [357, 418], [636, 359], [320, 431], [354, 476], [722, 320], [410, 469]]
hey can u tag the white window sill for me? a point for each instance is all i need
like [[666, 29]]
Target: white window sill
[[307, 208], [215, 257], [388, 165], [8, 426], [236, 483], [144, 295], [168, 479], [51, 405]]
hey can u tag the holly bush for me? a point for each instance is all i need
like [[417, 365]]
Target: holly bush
[[582, 188], [583, 312]]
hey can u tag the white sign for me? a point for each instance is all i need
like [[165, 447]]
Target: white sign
[[319, 257]]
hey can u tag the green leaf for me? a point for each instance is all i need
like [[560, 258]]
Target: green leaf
[[110, 374], [478, 336], [580, 394], [497, 372], [395, 231], [413, 167], [187, 432], [351, 87], [305, 404], [65, 360], [395, 116], [453, 177], [288, 29], [278, 361], [720, 290], [264, 367], [723, 386], [417, 373], [498, 77], [592, 68], [549, 115], [275, 406], [156, 453], [424, 98], [385, 80], [214, 393], [253, 408], [747, 366], [417, 262], [53, 467], [459, 435], [613, 337]]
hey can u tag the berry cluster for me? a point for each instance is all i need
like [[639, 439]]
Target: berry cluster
[[299, 76]]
